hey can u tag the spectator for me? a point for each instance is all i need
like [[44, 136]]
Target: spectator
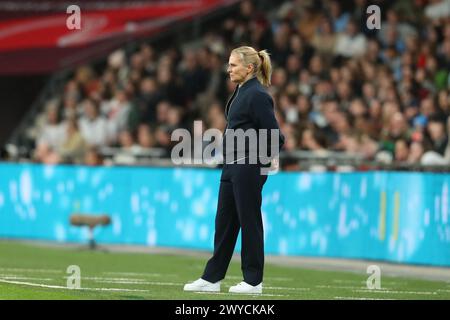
[[147, 99], [416, 152], [401, 153], [340, 19], [92, 157], [53, 131], [74, 146], [437, 134], [145, 137], [128, 149], [193, 75], [93, 127], [215, 118], [162, 138], [350, 43], [117, 114], [312, 141], [45, 154], [324, 39]]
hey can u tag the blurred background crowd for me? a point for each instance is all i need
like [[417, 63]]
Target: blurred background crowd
[[338, 86]]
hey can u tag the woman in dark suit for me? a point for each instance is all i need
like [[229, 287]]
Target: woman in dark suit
[[249, 110]]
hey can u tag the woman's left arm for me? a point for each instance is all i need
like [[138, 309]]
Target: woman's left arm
[[262, 110]]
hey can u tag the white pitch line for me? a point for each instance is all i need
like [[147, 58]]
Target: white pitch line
[[397, 292], [115, 289], [286, 288], [360, 289], [139, 282], [33, 284], [176, 275], [337, 287], [14, 277], [267, 279], [141, 274], [143, 282], [358, 298], [243, 294], [109, 279], [363, 283], [122, 281], [123, 289], [347, 281], [33, 270], [66, 288]]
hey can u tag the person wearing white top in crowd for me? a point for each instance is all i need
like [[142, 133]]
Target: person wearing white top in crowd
[[93, 127], [117, 112], [351, 43], [53, 132]]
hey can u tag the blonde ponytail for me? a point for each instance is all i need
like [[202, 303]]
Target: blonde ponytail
[[264, 73], [260, 61]]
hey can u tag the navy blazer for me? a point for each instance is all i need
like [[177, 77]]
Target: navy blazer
[[250, 107]]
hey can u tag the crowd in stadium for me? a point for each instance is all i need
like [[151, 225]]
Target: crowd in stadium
[[337, 85]]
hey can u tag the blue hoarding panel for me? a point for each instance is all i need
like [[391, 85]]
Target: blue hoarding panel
[[393, 216]]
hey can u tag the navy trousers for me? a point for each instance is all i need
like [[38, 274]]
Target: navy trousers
[[239, 207]]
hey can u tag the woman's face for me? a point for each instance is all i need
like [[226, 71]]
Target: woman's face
[[237, 70]]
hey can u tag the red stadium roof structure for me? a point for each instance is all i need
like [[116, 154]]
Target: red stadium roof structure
[[43, 43]]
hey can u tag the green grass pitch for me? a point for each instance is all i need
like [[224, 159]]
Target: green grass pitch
[[36, 272]]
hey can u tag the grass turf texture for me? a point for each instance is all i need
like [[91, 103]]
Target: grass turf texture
[[36, 272]]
